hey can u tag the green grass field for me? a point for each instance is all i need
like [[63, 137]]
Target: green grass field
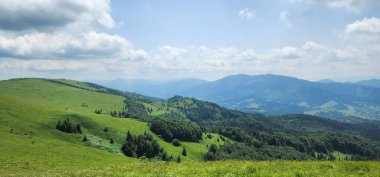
[[202, 169], [31, 146]]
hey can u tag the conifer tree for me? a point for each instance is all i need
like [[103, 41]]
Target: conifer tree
[[85, 138], [184, 153]]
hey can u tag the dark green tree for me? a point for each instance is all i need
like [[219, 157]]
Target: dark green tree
[[84, 138], [213, 148], [184, 153], [78, 128], [164, 156]]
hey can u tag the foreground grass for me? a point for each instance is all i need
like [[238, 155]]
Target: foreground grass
[[224, 168]]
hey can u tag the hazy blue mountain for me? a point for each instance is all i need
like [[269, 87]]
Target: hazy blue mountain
[[326, 81], [370, 83], [268, 94], [154, 88], [274, 94]]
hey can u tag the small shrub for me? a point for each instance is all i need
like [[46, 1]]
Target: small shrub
[[176, 142], [98, 111]]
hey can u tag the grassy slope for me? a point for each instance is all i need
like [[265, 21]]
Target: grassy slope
[[30, 109], [60, 97]]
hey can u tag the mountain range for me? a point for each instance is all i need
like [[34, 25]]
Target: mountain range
[[270, 94]]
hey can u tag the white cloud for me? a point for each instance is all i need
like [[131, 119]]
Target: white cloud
[[284, 19], [200, 61], [61, 29], [54, 14], [88, 45], [350, 5], [363, 31], [370, 25], [170, 52], [247, 14], [355, 6]]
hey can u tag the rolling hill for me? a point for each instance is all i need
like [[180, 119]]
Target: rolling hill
[[31, 144], [30, 109]]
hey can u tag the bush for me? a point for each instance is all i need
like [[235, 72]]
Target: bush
[[98, 111], [176, 142]]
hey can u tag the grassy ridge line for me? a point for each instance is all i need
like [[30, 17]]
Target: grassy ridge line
[[87, 86], [61, 97], [223, 168]]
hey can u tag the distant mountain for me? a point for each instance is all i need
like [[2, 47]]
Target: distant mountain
[[154, 88], [326, 81], [370, 83], [274, 94], [269, 94]]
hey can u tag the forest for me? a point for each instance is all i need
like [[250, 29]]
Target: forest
[[288, 137]]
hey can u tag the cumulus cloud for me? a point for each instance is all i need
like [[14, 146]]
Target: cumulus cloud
[[61, 29], [247, 14], [370, 25], [88, 45], [363, 31], [54, 14]]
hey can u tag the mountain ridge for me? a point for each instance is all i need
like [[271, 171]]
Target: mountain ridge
[[277, 94]]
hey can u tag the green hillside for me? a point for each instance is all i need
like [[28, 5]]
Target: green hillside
[[31, 145], [30, 109]]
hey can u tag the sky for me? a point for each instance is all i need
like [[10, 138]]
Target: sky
[[173, 39]]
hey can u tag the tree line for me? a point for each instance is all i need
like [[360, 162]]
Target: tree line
[[170, 129]]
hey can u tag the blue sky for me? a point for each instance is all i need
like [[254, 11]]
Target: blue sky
[[172, 39], [217, 23]]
